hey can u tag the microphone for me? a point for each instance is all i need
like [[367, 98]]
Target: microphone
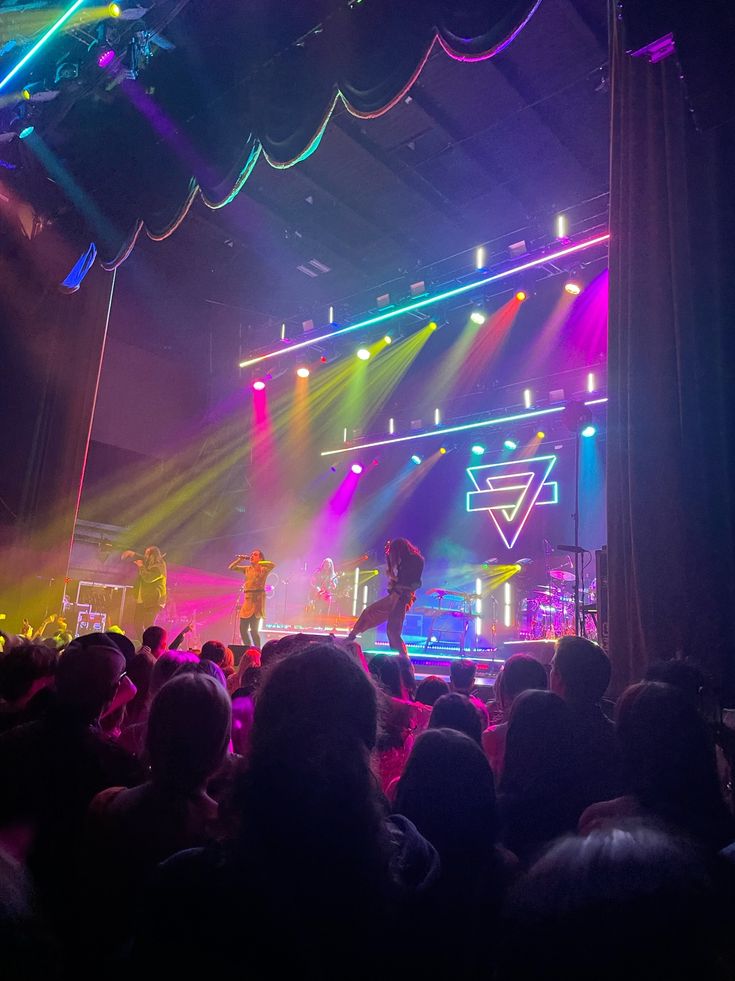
[[574, 549]]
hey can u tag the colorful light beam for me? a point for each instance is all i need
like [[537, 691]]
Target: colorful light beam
[[57, 25], [438, 298]]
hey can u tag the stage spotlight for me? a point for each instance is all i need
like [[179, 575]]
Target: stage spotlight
[[333, 469], [258, 385], [478, 317], [540, 434], [416, 459], [562, 226], [113, 10], [432, 325], [442, 450], [578, 419], [25, 132], [510, 444], [363, 354], [26, 94], [323, 359], [478, 449], [387, 339], [572, 287], [356, 468], [105, 58], [303, 372], [521, 295]]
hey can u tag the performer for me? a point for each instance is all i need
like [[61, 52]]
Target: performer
[[323, 585], [150, 586], [256, 570], [405, 565]]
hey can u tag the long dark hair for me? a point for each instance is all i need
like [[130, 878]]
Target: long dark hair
[[400, 548], [669, 761], [309, 800], [539, 796]]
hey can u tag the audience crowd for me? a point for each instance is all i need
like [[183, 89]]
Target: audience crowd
[[304, 811]]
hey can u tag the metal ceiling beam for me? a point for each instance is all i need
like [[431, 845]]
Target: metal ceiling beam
[[309, 225], [409, 178], [547, 116], [367, 215], [443, 121]]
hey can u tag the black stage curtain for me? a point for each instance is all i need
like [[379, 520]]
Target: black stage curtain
[[671, 434], [52, 346], [237, 85]]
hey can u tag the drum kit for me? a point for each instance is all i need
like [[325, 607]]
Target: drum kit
[[547, 612], [454, 623]]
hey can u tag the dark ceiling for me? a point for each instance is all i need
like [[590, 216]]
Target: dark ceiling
[[477, 153]]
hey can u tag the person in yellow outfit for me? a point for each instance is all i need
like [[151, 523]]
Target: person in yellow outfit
[[256, 570]]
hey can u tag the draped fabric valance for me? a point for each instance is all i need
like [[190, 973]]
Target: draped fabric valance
[[196, 120]]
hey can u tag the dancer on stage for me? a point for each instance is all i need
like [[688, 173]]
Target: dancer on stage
[[256, 570], [405, 565], [150, 586]]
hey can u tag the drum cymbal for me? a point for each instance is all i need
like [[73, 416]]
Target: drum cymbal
[[562, 575]]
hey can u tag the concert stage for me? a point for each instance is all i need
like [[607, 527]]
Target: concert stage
[[328, 363]]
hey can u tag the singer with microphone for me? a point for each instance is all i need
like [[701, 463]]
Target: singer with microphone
[[150, 586], [256, 570]]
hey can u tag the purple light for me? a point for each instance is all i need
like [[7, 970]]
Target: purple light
[[356, 468], [106, 58]]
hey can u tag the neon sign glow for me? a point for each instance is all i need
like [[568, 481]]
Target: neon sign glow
[[510, 490]]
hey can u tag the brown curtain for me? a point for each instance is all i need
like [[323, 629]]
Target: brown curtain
[[671, 437]]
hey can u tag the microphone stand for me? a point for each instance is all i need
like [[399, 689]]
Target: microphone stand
[[238, 604]]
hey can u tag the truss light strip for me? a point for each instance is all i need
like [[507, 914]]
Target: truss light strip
[[41, 41], [448, 429], [483, 424], [430, 300]]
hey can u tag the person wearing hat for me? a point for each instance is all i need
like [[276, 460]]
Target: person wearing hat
[[52, 768]]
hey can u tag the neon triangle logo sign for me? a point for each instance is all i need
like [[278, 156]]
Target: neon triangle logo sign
[[509, 492]]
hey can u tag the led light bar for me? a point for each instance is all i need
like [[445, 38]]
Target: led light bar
[[41, 41], [482, 424], [428, 301]]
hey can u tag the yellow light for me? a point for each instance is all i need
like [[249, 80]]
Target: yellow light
[[521, 295], [387, 339], [25, 94], [363, 354], [303, 372], [113, 10], [442, 450], [540, 435], [572, 287], [432, 325]]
